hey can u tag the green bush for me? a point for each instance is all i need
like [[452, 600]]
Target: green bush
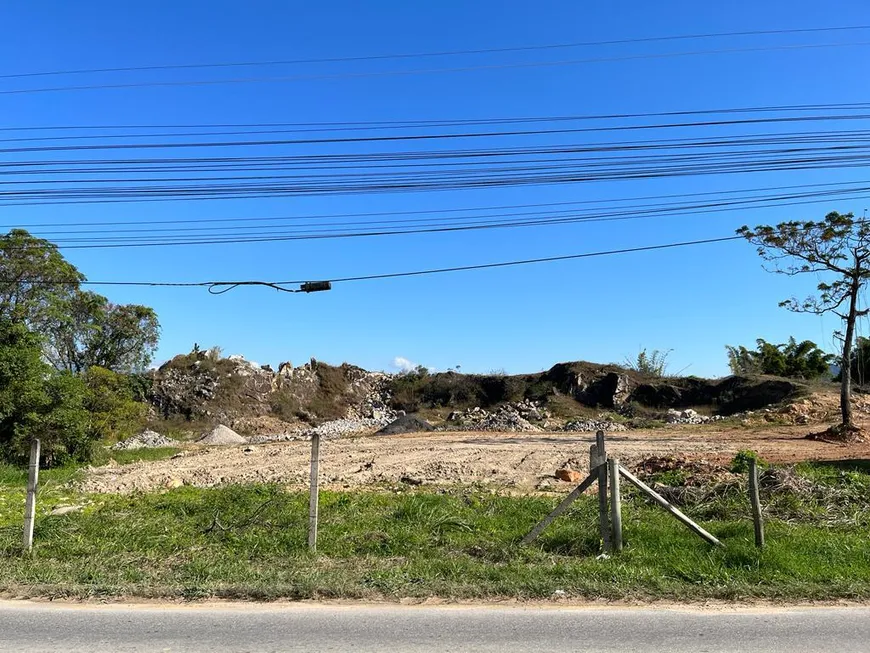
[[38, 402], [653, 364], [740, 462], [114, 412], [800, 360]]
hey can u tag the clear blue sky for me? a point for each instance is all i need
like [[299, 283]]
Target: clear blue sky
[[692, 300]]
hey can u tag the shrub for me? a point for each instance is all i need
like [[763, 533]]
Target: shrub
[[801, 360], [653, 364], [740, 462], [38, 402], [115, 414]]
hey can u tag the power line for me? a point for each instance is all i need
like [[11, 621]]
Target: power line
[[448, 122], [432, 136], [468, 209], [429, 71], [410, 227], [473, 169], [446, 53], [280, 285]]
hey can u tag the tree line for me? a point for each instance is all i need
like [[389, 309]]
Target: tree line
[[69, 357]]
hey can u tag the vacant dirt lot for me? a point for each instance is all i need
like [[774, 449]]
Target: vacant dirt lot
[[516, 460]]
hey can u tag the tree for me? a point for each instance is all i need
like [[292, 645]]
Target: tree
[[79, 328], [114, 412], [36, 401], [838, 246], [35, 279], [802, 360], [860, 361], [92, 331]]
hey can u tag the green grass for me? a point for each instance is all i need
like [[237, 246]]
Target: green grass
[[250, 542]]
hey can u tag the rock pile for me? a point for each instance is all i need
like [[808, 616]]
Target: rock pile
[[375, 402], [275, 437], [221, 434], [690, 416], [145, 440], [339, 427], [531, 410], [503, 418], [592, 425]]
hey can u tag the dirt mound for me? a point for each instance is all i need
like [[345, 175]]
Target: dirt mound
[[840, 434], [145, 440], [221, 434], [406, 424]]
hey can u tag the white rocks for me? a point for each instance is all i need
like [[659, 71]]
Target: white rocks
[[592, 425], [221, 434], [503, 418], [145, 440], [690, 416], [339, 427]]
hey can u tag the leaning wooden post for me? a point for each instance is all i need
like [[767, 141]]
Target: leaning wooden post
[[313, 492], [659, 499], [603, 521], [756, 503], [30, 502], [615, 503], [562, 507]]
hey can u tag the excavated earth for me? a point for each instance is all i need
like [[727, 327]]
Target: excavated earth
[[524, 461]]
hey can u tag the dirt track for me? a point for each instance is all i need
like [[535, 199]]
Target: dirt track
[[516, 460]]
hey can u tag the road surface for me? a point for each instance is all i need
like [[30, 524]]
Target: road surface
[[28, 627]]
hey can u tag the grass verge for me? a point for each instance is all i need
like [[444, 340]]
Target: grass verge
[[249, 542]]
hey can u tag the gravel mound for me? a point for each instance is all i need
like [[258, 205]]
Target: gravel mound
[[145, 440], [221, 434], [406, 424]]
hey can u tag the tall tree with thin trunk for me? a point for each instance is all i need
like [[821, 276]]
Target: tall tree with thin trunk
[[839, 248]]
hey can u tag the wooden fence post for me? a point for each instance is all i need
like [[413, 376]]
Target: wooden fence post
[[603, 521], [314, 492], [757, 519], [30, 502], [615, 503]]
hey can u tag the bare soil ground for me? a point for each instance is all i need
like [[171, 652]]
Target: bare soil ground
[[512, 460]]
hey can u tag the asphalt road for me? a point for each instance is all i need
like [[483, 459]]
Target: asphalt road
[[28, 627]]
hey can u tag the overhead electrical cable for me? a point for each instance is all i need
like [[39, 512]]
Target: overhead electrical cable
[[443, 53], [607, 201], [426, 71], [431, 136], [122, 239], [413, 124], [391, 275]]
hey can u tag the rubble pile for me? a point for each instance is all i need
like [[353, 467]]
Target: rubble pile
[[340, 427], [145, 440], [593, 425], [690, 416], [504, 418]]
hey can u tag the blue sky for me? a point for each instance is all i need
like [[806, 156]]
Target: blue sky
[[693, 300]]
